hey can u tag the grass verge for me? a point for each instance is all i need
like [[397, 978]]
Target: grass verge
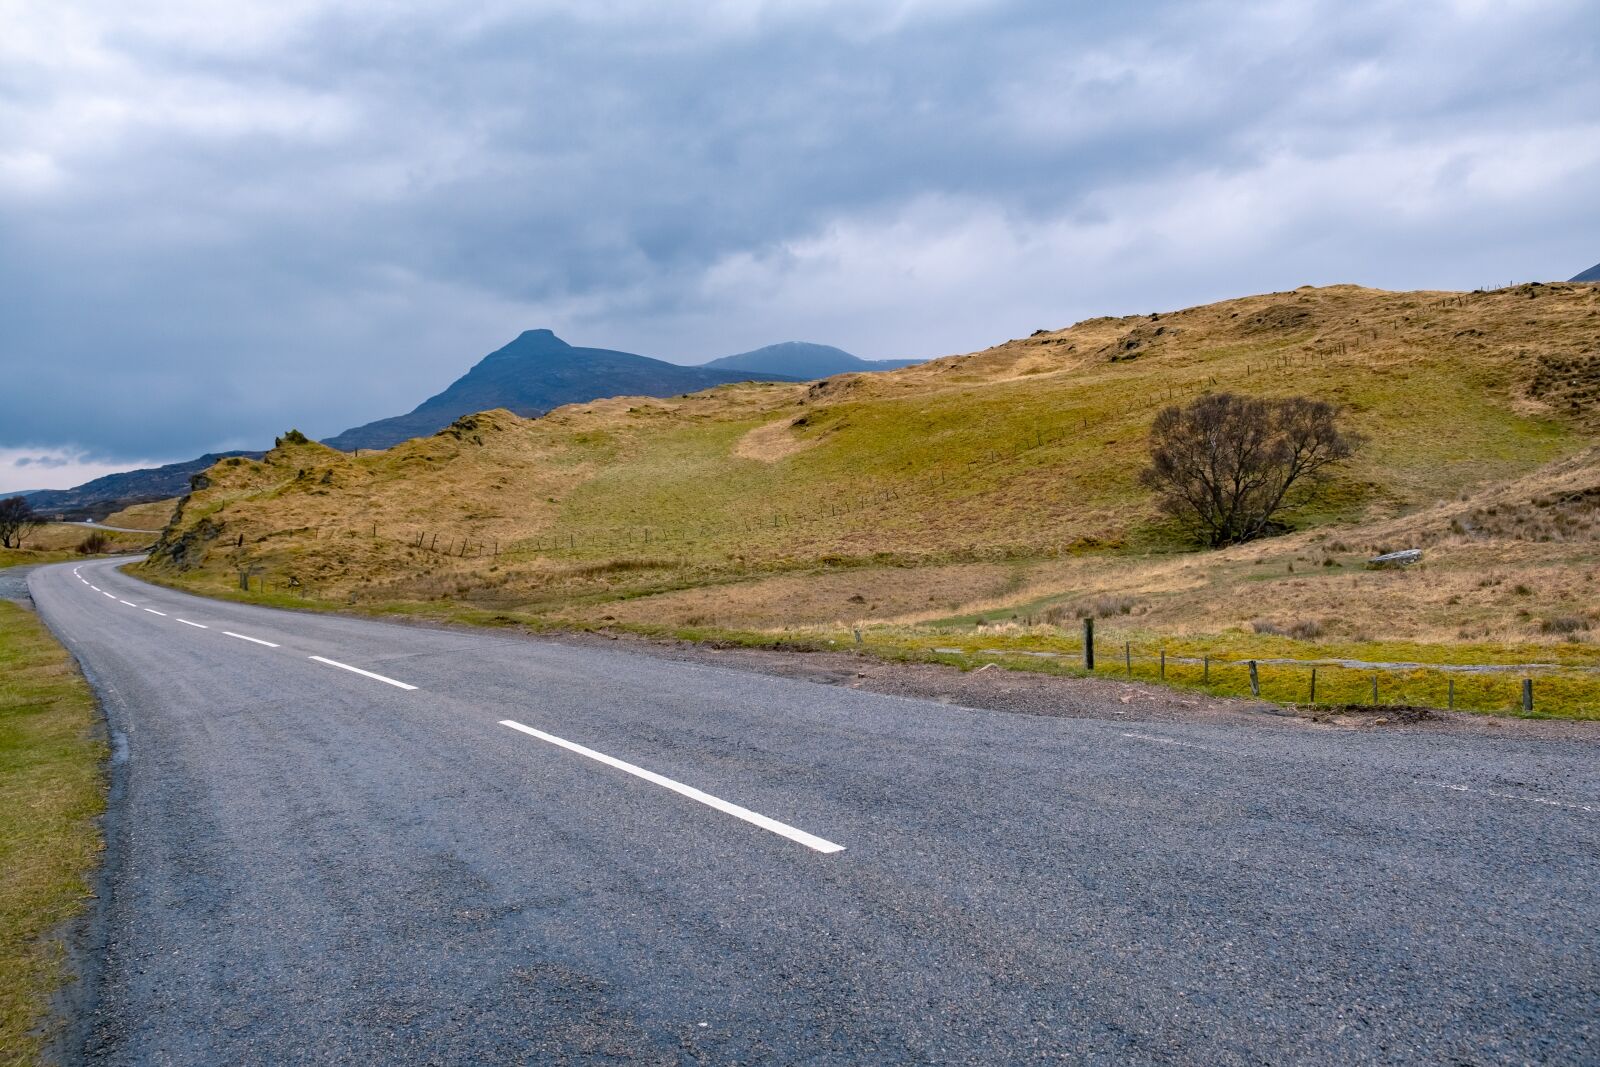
[[1412, 674], [51, 790]]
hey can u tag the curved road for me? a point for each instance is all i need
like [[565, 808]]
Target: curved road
[[493, 850]]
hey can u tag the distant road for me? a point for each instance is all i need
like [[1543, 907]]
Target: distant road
[[340, 840], [103, 526]]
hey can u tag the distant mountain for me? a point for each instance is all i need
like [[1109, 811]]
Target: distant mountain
[[1590, 275], [536, 372], [113, 492], [804, 360], [539, 371]]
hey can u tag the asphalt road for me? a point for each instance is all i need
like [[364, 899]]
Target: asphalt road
[[310, 864]]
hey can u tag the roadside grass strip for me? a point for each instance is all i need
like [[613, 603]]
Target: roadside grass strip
[[811, 841], [51, 790]]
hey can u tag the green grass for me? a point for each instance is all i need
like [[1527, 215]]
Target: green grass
[[15, 557], [1569, 689], [51, 791]]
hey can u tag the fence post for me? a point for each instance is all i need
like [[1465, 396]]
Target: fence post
[[1313, 685], [1255, 680], [1527, 696], [858, 636], [1205, 679], [1452, 697], [1088, 644], [1127, 656], [1163, 664]]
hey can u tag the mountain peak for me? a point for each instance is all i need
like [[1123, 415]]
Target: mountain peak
[[539, 338], [805, 360], [1590, 275]]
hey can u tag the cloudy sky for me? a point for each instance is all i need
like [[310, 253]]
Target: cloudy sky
[[218, 221]]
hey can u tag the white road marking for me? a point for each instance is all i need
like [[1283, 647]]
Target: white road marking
[[365, 674], [196, 625], [782, 829], [130, 603], [1513, 796], [153, 611], [252, 640]]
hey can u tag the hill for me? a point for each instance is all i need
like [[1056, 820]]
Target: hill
[[927, 501], [534, 373], [113, 492], [1590, 275], [805, 361]]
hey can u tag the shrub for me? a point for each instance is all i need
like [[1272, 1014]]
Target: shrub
[[1266, 626], [1306, 629], [1225, 466], [1563, 624], [94, 544]]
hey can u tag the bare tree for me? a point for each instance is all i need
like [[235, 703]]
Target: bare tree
[[17, 519], [1225, 466]]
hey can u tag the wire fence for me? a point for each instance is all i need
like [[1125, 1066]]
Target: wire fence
[[1531, 688]]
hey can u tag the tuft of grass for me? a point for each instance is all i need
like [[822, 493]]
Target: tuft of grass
[[51, 792]]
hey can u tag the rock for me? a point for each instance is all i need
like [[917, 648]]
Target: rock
[[1404, 558]]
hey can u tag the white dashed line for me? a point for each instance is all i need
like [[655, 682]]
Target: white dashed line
[[196, 625], [782, 829], [153, 611], [252, 640], [1513, 796], [130, 603], [364, 674]]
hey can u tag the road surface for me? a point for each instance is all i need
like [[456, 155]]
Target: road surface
[[340, 840]]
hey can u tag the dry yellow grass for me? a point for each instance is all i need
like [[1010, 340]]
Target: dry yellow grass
[[998, 482]]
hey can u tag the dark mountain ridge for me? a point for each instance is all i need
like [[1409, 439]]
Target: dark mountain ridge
[[805, 360], [535, 373], [98, 498], [1590, 275]]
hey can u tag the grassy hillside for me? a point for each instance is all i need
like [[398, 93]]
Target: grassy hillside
[[1006, 479]]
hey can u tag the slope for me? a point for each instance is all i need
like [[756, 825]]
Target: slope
[[102, 496], [985, 482], [534, 373]]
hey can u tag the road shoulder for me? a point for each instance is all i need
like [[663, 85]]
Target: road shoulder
[[52, 796]]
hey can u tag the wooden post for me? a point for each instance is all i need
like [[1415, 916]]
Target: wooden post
[[1163, 664], [1205, 679], [1451, 704], [1255, 680], [1527, 696], [1313, 685], [1088, 644], [1127, 656]]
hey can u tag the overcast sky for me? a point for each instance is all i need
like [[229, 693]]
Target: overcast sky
[[219, 221]]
